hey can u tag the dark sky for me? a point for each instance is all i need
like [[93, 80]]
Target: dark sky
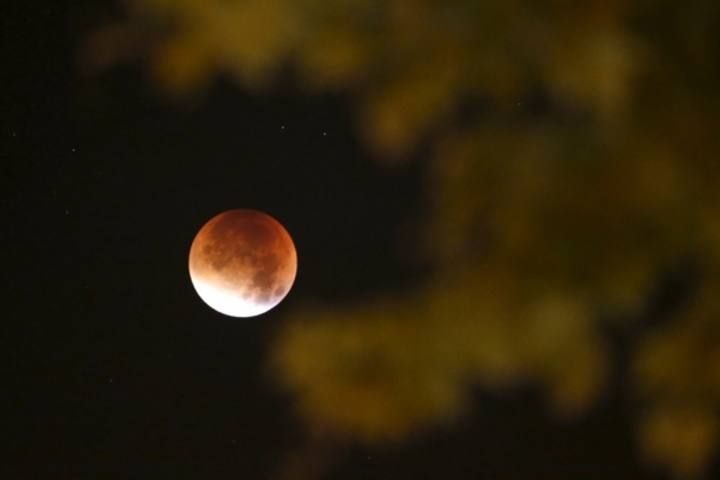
[[117, 369]]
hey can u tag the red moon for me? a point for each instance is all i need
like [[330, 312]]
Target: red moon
[[242, 263]]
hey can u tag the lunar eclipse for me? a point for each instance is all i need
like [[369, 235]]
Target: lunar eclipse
[[242, 263]]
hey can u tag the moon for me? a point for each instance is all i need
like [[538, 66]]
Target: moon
[[242, 263]]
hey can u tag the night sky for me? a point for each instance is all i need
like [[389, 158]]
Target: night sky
[[117, 369]]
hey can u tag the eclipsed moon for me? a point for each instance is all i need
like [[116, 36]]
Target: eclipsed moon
[[242, 263]]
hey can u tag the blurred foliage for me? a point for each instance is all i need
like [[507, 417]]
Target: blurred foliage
[[575, 160]]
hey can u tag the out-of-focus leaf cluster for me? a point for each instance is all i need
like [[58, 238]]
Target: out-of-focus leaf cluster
[[389, 368], [576, 158]]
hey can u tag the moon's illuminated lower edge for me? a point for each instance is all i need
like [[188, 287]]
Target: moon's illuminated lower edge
[[229, 302]]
